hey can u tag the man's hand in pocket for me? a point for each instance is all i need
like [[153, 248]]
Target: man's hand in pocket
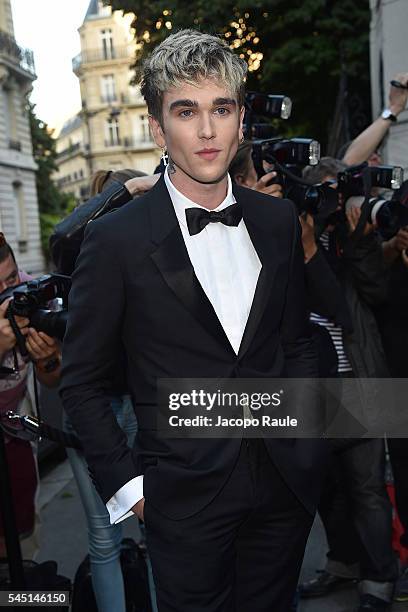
[[138, 509]]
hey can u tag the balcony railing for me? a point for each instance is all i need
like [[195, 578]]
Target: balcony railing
[[69, 150], [109, 98], [129, 142], [10, 49], [133, 97], [115, 142], [101, 55]]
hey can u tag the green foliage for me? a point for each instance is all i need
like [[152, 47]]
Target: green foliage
[[306, 45], [53, 204]]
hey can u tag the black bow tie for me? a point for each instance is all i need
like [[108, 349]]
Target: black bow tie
[[198, 218]]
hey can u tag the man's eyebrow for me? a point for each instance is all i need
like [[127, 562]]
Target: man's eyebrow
[[194, 104], [186, 102], [224, 102]]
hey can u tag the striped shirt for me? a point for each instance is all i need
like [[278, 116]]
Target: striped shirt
[[335, 331]]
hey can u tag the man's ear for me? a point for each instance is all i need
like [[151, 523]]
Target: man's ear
[[157, 132], [240, 180], [241, 123]]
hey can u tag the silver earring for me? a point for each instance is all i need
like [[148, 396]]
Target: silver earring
[[164, 157]]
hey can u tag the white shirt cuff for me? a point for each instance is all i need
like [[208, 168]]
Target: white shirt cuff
[[119, 506]]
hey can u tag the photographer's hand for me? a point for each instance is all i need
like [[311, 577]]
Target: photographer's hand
[[396, 245], [398, 96], [353, 215], [273, 189], [46, 354], [141, 184], [7, 337]]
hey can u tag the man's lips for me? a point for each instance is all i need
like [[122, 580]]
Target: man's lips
[[208, 154]]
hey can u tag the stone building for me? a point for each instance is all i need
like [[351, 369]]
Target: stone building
[[389, 55], [19, 217], [111, 131]]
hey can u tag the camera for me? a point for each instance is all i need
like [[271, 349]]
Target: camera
[[356, 183], [287, 156], [31, 300], [355, 180], [265, 105]]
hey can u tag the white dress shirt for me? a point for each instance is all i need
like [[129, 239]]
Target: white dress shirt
[[227, 267]]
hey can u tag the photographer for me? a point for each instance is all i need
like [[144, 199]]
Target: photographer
[[355, 489], [344, 277], [243, 172], [109, 190], [44, 355], [393, 323]]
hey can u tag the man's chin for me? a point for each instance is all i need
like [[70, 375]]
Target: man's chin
[[205, 178]]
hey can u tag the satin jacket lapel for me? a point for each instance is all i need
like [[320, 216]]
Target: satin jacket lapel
[[257, 222], [172, 260]]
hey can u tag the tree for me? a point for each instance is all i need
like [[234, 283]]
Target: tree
[[52, 203], [311, 50]]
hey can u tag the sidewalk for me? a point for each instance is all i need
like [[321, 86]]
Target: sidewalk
[[63, 528]]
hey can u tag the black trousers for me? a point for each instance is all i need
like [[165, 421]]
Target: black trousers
[[394, 328], [241, 553], [356, 512]]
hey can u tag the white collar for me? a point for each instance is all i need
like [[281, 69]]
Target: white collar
[[181, 202]]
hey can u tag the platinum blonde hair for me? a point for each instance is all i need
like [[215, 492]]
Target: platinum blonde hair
[[187, 57]]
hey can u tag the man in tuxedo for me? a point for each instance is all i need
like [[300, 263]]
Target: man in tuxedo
[[197, 279]]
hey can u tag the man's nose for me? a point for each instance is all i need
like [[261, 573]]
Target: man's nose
[[206, 127]]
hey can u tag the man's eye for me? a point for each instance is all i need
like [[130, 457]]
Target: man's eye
[[222, 111], [186, 113]]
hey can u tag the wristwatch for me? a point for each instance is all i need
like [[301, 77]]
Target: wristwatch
[[387, 114], [50, 366]]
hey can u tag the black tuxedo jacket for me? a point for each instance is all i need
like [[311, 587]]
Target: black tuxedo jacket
[[135, 291]]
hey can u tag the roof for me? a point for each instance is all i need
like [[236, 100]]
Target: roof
[[70, 125], [93, 9]]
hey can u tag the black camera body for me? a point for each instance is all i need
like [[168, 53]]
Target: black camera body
[[355, 184], [31, 299], [355, 180], [287, 156]]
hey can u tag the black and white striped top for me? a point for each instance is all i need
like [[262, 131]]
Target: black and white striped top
[[334, 330]]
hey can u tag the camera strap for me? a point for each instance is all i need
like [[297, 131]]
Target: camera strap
[[19, 336]]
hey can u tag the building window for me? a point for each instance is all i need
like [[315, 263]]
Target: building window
[[20, 214], [108, 50], [144, 128], [108, 88], [10, 118], [112, 132]]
